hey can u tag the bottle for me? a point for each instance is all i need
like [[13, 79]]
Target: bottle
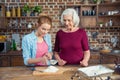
[[14, 45], [29, 25], [18, 11], [13, 12], [0, 11], [110, 23], [113, 0], [8, 13]]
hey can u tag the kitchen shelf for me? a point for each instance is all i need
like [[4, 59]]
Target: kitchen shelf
[[109, 11], [17, 28], [22, 17], [115, 15], [68, 5], [110, 3], [88, 16], [112, 27], [88, 5]]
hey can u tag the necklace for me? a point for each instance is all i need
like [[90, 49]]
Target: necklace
[[40, 39]]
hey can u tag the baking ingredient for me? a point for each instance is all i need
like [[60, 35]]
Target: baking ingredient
[[51, 69]]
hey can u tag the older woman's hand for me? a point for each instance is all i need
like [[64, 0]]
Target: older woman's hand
[[61, 62], [84, 63]]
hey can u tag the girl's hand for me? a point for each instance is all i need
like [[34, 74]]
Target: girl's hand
[[44, 60], [48, 55]]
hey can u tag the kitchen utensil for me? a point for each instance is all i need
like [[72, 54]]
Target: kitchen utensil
[[105, 51], [117, 66], [97, 70]]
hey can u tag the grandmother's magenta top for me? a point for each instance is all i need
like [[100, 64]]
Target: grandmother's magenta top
[[71, 45]]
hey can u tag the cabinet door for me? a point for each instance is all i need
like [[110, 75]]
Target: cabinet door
[[94, 58], [4, 61], [17, 61], [107, 59]]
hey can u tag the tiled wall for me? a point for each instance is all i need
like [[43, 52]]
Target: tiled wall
[[54, 8]]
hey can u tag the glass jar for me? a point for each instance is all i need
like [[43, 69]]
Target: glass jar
[[8, 13]]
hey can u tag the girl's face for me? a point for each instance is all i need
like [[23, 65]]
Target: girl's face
[[68, 21], [43, 29]]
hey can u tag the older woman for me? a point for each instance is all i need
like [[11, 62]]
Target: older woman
[[71, 44], [37, 46]]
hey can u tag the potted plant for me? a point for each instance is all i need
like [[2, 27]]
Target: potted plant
[[97, 1], [27, 10], [101, 24], [37, 9]]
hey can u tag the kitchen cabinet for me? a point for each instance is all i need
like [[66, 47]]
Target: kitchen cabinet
[[14, 58], [11, 58], [108, 12], [91, 15], [94, 58], [109, 58], [12, 22]]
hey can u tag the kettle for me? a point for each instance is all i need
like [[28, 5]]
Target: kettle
[[117, 67]]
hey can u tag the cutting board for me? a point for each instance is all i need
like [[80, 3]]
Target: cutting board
[[38, 70]]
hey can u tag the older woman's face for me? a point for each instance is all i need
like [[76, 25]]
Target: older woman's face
[[43, 29], [68, 21]]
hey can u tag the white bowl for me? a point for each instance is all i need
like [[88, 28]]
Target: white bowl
[[53, 62]]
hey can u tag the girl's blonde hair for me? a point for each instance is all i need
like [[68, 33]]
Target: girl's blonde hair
[[44, 19]]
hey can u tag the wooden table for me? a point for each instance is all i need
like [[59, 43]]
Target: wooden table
[[25, 73]]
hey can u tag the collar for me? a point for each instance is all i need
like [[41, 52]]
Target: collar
[[34, 35]]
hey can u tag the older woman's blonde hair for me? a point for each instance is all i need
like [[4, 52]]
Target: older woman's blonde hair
[[71, 11]]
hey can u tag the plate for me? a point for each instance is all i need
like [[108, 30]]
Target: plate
[[97, 70]]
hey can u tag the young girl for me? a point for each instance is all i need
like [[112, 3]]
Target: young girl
[[37, 46]]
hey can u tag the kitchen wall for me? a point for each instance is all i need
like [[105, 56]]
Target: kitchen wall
[[98, 37]]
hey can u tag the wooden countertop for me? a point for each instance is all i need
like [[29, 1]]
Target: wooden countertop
[[25, 73], [112, 54]]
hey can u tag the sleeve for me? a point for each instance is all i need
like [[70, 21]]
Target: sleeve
[[50, 43], [25, 50], [84, 42], [57, 47]]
